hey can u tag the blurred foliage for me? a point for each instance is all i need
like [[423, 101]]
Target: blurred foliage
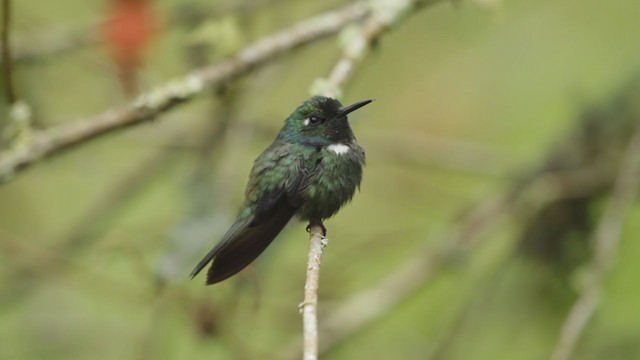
[[96, 244]]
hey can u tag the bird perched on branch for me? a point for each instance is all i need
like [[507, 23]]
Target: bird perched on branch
[[313, 167]]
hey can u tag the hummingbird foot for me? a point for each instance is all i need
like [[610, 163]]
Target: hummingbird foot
[[313, 223]]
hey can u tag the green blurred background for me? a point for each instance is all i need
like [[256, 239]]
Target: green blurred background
[[471, 98]]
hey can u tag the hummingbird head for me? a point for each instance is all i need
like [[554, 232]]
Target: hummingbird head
[[320, 121]]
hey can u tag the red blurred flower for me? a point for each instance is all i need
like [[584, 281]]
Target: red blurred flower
[[129, 26]]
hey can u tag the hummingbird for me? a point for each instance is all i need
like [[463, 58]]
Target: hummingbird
[[311, 169]]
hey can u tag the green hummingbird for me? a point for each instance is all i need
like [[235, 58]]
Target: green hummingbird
[[313, 167]]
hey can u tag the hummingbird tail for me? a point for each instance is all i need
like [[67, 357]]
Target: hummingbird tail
[[242, 244]]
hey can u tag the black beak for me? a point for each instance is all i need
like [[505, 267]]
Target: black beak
[[343, 111]]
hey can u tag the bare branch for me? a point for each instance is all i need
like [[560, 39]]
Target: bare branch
[[362, 308], [157, 101], [357, 41], [607, 237], [6, 52], [309, 306], [369, 304]]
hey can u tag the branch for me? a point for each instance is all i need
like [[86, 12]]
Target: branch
[[6, 52], [17, 130], [358, 39], [157, 101], [101, 215], [58, 40], [607, 237], [309, 306], [465, 234], [362, 308]]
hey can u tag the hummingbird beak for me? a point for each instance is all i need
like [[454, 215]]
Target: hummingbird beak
[[343, 111]]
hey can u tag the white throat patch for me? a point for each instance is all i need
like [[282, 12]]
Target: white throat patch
[[339, 149]]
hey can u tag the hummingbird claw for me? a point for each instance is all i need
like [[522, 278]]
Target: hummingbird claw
[[318, 223]]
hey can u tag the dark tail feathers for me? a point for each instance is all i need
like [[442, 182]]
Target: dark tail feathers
[[242, 244]]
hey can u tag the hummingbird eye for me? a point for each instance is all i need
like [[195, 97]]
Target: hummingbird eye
[[312, 120]]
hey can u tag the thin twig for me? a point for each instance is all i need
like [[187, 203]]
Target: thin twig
[[309, 306], [17, 131], [362, 308], [155, 102], [358, 40], [465, 234], [369, 304], [607, 238], [6, 52]]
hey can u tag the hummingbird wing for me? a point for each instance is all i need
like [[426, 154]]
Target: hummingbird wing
[[272, 198]]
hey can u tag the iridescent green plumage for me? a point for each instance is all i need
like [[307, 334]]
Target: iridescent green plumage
[[312, 168]]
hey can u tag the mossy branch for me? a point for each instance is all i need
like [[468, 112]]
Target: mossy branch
[[151, 104]]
